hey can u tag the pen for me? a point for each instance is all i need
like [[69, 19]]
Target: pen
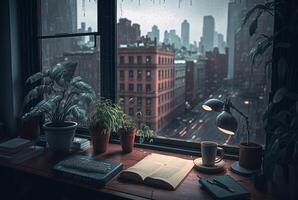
[[222, 185]]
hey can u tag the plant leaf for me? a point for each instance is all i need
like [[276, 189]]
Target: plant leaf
[[75, 79], [87, 98], [253, 27], [78, 113], [68, 72], [279, 95], [36, 77], [37, 92], [81, 85]]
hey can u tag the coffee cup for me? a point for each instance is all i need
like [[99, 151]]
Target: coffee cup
[[209, 151]]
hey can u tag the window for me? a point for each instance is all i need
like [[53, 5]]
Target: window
[[64, 37], [121, 75], [130, 87], [131, 111], [130, 60], [122, 87], [139, 101], [122, 60], [130, 74], [139, 88], [190, 65], [148, 112], [148, 59], [148, 88], [148, 75], [140, 75], [148, 102], [139, 60]]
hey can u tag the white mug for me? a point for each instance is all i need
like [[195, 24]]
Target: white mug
[[209, 151]]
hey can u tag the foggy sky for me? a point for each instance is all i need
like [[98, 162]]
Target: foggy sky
[[166, 15]]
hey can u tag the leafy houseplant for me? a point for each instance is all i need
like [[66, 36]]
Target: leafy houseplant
[[64, 97], [103, 120], [127, 132]]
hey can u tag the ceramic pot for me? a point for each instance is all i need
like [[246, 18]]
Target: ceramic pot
[[127, 139], [250, 155], [100, 140], [60, 138]]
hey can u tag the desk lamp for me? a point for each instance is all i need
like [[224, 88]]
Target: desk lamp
[[250, 154]]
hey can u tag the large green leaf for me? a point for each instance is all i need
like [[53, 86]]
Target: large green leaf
[[81, 85], [36, 77], [253, 27], [87, 98], [37, 92], [56, 72], [75, 79], [78, 113], [44, 107], [68, 72]]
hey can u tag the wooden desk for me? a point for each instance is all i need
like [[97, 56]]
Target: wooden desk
[[40, 167]]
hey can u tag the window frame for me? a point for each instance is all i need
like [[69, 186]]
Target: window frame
[[106, 22]]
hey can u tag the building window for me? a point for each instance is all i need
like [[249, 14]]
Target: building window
[[131, 111], [139, 88], [122, 87], [130, 60], [139, 101], [139, 60], [148, 75], [140, 75], [148, 101], [122, 62], [148, 111], [122, 75], [148, 88], [130, 87], [148, 59], [130, 74]]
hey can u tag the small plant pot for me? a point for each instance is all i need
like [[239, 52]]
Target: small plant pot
[[100, 140], [127, 140], [60, 138], [30, 129], [250, 155]]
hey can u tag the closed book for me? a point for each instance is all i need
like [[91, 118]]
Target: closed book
[[14, 145], [93, 171], [80, 142], [22, 156], [231, 190]]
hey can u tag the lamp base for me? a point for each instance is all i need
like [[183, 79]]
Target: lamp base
[[236, 168]]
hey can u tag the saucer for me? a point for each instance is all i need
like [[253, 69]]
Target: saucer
[[218, 167]]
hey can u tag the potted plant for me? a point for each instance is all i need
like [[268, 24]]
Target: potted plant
[[64, 97], [102, 121], [127, 132]]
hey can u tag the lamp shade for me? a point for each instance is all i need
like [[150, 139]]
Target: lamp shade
[[226, 123], [213, 105]]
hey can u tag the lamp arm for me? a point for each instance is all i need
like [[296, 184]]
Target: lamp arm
[[246, 120]]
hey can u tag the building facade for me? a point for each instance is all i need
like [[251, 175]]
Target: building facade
[[185, 34], [208, 33], [179, 86], [154, 34], [145, 75]]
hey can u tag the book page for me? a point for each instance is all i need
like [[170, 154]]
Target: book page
[[172, 172], [149, 165]]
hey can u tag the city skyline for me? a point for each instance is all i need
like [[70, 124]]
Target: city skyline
[[135, 12]]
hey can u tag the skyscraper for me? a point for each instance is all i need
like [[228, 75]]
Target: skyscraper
[[127, 33], [154, 33], [208, 32], [234, 20], [185, 34]]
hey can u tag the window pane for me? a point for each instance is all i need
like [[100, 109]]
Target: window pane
[[68, 16], [75, 49], [199, 55]]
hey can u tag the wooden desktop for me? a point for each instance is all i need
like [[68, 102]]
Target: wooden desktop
[[36, 174]]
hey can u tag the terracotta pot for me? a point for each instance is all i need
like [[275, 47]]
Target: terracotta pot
[[127, 139], [100, 139], [250, 155], [30, 129]]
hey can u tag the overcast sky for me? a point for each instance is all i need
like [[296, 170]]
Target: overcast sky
[[166, 15]]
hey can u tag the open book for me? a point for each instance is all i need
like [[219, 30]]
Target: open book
[[159, 170]]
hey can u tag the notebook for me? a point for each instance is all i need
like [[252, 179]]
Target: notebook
[[217, 192], [160, 171], [89, 170], [14, 145]]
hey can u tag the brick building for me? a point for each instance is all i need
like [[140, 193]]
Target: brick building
[[179, 86], [145, 73]]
